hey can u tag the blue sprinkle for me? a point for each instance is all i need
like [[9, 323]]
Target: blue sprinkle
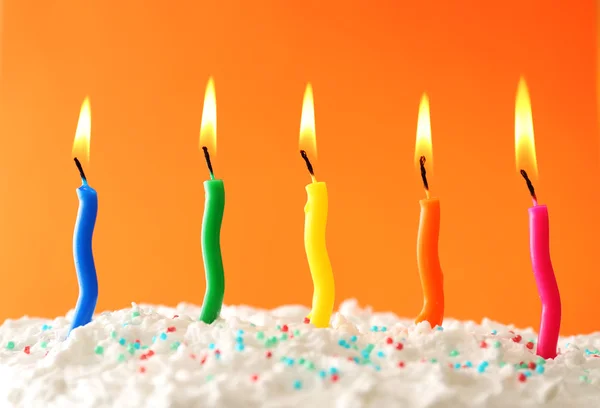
[[380, 354], [45, 327], [377, 368], [125, 324], [374, 328], [365, 354], [527, 373], [240, 332], [153, 339], [289, 361], [211, 346], [356, 359], [136, 345], [347, 345], [333, 370], [297, 384], [122, 341], [239, 339], [384, 329], [163, 336], [494, 331], [457, 365], [353, 339], [440, 328], [567, 345], [239, 347], [540, 369], [481, 367], [469, 364], [322, 373], [342, 342]]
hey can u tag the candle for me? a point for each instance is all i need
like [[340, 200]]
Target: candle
[[84, 226], [315, 222], [430, 271], [539, 237], [214, 205]]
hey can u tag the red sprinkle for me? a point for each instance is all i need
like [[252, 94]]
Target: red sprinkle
[[522, 377], [217, 351], [269, 354], [26, 350], [335, 377], [142, 369], [517, 338], [483, 344], [175, 316], [306, 320], [389, 340], [284, 328], [143, 357], [529, 345], [254, 377], [203, 360], [193, 356], [150, 353], [401, 364], [137, 340], [531, 365], [171, 329], [399, 346]]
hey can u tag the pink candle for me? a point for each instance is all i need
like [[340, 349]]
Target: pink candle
[[539, 248], [539, 234]]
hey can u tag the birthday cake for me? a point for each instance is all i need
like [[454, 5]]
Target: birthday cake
[[165, 357]]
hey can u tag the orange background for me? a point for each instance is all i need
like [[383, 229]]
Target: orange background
[[145, 65]]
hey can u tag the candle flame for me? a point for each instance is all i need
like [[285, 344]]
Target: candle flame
[[208, 126], [423, 145], [308, 139], [81, 143], [524, 139]]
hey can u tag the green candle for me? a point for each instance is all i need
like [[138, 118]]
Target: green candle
[[211, 249], [213, 214]]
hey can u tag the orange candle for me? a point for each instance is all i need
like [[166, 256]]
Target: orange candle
[[432, 278]]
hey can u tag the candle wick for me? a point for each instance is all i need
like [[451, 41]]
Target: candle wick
[[308, 165], [530, 187], [81, 172], [422, 161], [208, 162]]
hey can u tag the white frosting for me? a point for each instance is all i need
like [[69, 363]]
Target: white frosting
[[199, 365]]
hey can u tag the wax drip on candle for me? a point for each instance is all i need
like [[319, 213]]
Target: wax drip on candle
[[208, 162], [81, 172], [308, 165], [422, 161], [529, 186]]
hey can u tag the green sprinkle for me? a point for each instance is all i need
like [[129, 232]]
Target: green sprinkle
[[454, 353], [501, 364], [175, 345], [10, 345], [145, 347], [131, 348], [310, 365], [284, 336], [301, 360], [497, 344], [260, 335], [113, 334], [296, 332], [278, 327], [541, 361], [433, 360], [99, 350], [135, 314], [121, 358], [209, 377], [583, 378], [43, 344]]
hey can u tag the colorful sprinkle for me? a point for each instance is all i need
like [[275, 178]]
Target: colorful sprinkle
[[540, 369], [454, 353], [121, 358], [529, 345], [135, 314], [10, 345], [163, 336], [297, 384], [27, 349], [99, 350], [522, 377], [43, 344]]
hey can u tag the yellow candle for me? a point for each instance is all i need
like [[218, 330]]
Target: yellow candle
[[315, 222]]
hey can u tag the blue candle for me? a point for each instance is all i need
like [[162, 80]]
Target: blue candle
[[84, 227]]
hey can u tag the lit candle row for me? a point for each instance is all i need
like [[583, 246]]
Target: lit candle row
[[316, 221]]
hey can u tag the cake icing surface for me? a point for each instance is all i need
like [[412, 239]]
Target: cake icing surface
[[165, 357]]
